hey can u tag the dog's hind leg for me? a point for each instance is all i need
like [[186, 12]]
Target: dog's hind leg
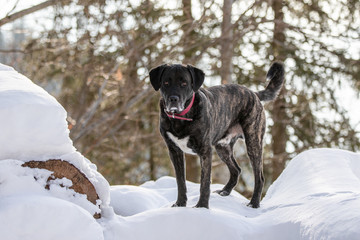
[[256, 162], [253, 138], [225, 153]]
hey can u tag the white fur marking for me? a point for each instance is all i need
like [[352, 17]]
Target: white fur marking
[[234, 131], [226, 140], [181, 143]]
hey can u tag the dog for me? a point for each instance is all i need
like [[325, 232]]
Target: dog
[[193, 119]]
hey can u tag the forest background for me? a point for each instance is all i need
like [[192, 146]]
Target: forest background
[[94, 57]]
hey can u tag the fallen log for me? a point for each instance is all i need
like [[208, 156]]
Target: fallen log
[[63, 169]]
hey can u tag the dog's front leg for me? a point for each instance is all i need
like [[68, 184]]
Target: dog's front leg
[[205, 162], [177, 158]]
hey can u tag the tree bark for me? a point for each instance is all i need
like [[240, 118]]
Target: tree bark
[[227, 48], [191, 161], [186, 25], [152, 172], [279, 115], [63, 169]]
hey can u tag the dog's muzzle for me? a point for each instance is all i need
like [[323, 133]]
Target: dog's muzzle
[[175, 113], [173, 105]]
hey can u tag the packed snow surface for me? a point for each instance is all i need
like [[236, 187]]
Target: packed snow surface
[[316, 197]]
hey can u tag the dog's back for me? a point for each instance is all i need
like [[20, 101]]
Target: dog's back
[[236, 104], [227, 106]]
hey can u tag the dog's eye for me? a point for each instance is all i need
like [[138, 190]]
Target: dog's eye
[[183, 84], [166, 83]]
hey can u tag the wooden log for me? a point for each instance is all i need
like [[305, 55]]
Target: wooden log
[[63, 169]]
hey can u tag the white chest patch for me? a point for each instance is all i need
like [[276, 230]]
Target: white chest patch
[[181, 143]]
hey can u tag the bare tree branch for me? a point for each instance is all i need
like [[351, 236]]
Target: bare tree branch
[[22, 13], [11, 51], [15, 5], [140, 96]]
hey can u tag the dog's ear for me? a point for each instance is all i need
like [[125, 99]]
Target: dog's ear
[[155, 76], [197, 76]]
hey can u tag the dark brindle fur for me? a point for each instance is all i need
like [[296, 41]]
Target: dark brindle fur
[[221, 115]]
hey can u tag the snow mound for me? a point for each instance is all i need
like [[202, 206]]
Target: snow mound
[[318, 194], [33, 126], [316, 197], [44, 218], [29, 211]]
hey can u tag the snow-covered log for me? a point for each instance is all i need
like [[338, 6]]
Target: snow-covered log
[[34, 131], [63, 169]]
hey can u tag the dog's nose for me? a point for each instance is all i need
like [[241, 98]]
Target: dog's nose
[[174, 98]]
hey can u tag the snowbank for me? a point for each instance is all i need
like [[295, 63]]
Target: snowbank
[[29, 211], [316, 197], [33, 127], [33, 124]]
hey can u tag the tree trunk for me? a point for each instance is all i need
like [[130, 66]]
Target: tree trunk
[[192, 161], [279, 135], [226, 43], [279, 116], [152, 172], [186, 24]]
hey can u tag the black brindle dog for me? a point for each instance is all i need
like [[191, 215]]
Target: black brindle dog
[[193, 119]]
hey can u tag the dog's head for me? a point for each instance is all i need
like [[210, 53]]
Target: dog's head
[[176, 83]]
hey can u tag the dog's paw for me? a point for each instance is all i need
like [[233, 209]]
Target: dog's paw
[[253, 205], [202, 205], [222, 192], [179, 204]]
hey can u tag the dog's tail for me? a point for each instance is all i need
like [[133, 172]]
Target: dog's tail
[[276, 77]]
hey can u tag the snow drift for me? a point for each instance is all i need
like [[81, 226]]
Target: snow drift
[[33, 123], [33, 127], [316, 197]]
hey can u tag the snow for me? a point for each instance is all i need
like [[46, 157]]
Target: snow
[[44, 217], [33, 126], [316, 197]]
